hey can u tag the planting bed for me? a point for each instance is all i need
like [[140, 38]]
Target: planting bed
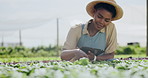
[[123, 68]]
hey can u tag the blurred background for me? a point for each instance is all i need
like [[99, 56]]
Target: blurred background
[[34, 22]]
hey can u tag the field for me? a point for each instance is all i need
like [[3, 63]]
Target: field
[[35, 68], [26, 59], [130, 55]]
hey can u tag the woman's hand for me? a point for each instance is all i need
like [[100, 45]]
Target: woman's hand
[[79, 54], [90, 55]]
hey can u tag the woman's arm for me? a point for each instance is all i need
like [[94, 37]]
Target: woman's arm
[[105, 56], [72, 55]]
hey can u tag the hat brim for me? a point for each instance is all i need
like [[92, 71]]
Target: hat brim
[[90, 8]]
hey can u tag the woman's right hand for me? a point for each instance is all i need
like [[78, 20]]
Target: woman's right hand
[[78, 54], [72, 55]]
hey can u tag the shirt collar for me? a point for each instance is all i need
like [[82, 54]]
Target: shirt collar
[[85, 31]]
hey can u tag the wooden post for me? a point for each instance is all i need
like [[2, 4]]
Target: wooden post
[[20, 38], [2, 44], [147, 33], [58, 37]]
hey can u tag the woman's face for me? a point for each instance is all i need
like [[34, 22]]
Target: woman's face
[[102, 18]]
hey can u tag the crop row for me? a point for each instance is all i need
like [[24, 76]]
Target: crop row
[[77, 69]]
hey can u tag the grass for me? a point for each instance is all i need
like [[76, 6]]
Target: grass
[[25, 59], [126, 56]]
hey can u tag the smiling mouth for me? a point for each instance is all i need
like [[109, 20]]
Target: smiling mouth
[[99, 26]]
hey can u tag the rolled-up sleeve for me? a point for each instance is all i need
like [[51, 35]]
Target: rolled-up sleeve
[[111, 37], [72, 38]]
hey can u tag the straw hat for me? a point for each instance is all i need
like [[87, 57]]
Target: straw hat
[[90, 8]]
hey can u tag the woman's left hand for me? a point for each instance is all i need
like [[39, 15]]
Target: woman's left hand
[[90, 55]]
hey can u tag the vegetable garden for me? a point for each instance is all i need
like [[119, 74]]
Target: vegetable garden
[[21, 62], [78, 69]]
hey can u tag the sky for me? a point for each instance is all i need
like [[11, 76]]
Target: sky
[[37, 20]]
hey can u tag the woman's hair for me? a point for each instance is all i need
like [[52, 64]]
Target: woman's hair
[[107, 7]]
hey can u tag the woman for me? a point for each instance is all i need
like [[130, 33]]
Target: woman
[[98, 34]]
